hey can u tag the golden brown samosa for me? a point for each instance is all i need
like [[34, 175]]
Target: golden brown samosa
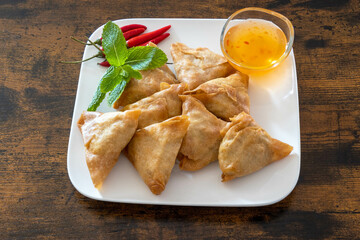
[[159, 106], [202, 140], [153, 151], [196, 66], [247, 148], [105, 135], [224, 97]]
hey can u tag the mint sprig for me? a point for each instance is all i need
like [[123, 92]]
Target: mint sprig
[[125, 64]]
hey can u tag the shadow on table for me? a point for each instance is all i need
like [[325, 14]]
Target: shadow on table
[[275, 221], [187, 214]]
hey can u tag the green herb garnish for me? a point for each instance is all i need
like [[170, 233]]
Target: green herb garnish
[[125, 64]]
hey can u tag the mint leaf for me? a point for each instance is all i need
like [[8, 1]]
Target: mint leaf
[[125, 64], [114, 44], [116, 93], [111, 78], [145, 58], [132, 73], [96, 100]]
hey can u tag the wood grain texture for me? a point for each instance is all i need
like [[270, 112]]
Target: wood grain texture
[[37, 96]]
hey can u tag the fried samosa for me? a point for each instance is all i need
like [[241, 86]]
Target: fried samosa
[[224, 97], [247, 148], [105, 135], [196, 66], [153, 151], [202, 140], [138, 89], [159, 106]]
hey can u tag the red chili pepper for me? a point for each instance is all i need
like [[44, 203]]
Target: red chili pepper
[[104, 64], [133, 33], [146, 37], [126, 28], [157, 39]]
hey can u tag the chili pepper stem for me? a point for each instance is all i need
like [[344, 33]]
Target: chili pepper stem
[[98, 41], [79, 41], [92, 43], [80, 61]]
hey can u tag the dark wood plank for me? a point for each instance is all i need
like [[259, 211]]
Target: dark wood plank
[[37, 95]]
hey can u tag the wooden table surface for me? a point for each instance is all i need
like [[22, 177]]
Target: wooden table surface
[[37, 95]]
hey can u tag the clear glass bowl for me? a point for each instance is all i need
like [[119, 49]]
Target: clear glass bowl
[[258, 13]]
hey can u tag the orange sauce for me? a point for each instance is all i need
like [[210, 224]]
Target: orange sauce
[[255, 43]]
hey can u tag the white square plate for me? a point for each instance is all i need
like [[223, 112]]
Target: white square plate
[[274, 105]]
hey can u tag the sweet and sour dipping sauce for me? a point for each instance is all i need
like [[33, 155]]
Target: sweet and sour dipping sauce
[[255, 43]]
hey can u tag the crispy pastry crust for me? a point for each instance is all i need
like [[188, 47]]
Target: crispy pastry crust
[[153, 151], [224, 97], [202, 140], [105, 135], [247, 148], [196, 66], [159, 106]]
